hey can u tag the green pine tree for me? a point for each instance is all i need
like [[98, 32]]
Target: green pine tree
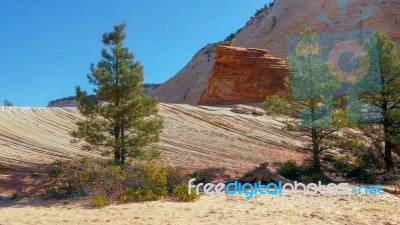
[[385, 131], [311, 85], [120, 120]]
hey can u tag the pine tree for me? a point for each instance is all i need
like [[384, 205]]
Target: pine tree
[[385, 131], [120, 119], [312, 85]]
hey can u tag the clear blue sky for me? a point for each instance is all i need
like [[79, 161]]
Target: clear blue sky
[[48, 45]]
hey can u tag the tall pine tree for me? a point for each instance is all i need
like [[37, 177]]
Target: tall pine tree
[[312, 85], [120, 120], [385, 132]]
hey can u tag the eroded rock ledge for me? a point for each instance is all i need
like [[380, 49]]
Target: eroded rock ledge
[[244, 75]]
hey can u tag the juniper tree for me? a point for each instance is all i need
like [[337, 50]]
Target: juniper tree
[[120, 120]]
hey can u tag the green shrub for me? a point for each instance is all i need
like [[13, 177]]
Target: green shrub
[[56, 169], [100, 201], [56, 193], [290, 170], [15, 197], [329, 157], [393, 179], [180, 193], [291, 127], [312, 177], [362, 175], [341, 165], [174, 178], [202, 176], [275, 105], [356, 170]]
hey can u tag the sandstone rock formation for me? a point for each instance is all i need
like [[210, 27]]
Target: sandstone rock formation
[[30, 137], [248, 110], [244, 75], [270, 30]]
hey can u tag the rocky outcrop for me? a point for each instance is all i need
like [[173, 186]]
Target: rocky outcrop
[[270, 30], [63, 103], [248, 110], [244, 75]]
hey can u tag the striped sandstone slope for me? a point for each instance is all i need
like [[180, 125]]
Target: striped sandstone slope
[[194, 137]]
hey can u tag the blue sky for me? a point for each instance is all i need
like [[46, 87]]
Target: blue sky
[[48, 45]]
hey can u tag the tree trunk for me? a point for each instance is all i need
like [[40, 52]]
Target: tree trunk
[[315, 151], [388, 145], [117, 152], [123, 153], [388, 156]]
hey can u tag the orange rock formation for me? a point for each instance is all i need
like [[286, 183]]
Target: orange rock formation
[[244, 75]]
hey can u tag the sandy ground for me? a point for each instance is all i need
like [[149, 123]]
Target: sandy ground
[[297, 209]]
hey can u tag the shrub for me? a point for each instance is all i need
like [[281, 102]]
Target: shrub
[[55, 169], [362, 175], [393, 179], [174, 178], [329, 157], [275, 105], [341, 165], [309, 176], [202, 176], [146, 183], [15, 197], [290, 170], [56, 193], [356, 170], [103, 182], [100, 201], [180, 193]]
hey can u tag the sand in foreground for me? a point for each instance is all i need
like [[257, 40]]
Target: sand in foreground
[[298, 209]]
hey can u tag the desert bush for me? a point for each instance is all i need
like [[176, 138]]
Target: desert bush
[[145, 183], [98, 179], [362, 175], [56, 169], [357, 169], [202, 176], [180, 193], [328, 157], [352, 144], [174, 178], [100, 201], [290, 170], [15, 197], [393, 178], [341, 165], [309, 176]]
